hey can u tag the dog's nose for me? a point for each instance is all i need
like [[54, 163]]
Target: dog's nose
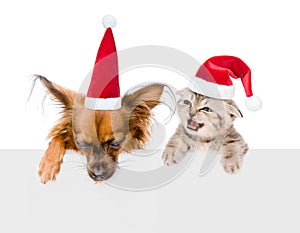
[[99, 176], [100, 170]]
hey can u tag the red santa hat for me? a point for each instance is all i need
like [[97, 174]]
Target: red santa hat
[[213, 79], [104, 89]]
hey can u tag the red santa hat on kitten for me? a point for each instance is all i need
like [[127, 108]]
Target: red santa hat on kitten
[[213, 79], [104, 89]]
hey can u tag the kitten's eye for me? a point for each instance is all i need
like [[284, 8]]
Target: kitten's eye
[[188, 103], [114, 145], [205, 109]]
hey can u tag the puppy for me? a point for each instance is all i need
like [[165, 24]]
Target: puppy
[[98, 135]]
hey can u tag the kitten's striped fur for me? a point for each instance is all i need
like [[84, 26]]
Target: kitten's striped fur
[[206, 124]]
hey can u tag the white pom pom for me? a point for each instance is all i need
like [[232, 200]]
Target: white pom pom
[[253, 103], [109, 21]]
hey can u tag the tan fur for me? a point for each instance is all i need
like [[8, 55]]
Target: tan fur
[[216, 131], [94, 134]]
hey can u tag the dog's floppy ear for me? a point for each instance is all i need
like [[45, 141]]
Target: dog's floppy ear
[[139, 105], [57, 93], [64, 97]]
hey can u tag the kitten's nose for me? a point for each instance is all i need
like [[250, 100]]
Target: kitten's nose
[[192, 114]]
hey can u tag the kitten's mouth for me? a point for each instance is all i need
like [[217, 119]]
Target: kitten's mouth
[[193, 125]]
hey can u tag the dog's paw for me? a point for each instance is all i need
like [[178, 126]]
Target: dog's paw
[[171, 156], [48, 170], [231, 164]]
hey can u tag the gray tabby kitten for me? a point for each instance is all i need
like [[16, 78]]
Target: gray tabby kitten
[[206, 124]]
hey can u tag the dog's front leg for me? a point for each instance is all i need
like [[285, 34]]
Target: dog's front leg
[[52, 159]]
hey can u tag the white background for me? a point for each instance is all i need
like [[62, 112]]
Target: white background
[[59, 39]]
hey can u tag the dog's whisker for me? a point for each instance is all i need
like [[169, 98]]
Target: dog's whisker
[[72, 161], [82, 159], [80, 170], [123, 166], [80, 166], [126, 161]]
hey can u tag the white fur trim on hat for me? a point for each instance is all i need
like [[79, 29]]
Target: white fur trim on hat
[[109, 21], [209, 89], [253, 103], [102, 103]]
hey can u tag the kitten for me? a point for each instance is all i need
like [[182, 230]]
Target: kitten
[[206, 124]]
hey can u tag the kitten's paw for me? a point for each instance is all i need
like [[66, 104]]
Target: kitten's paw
[[171, 156], [48, 170], [168, 157], [231, 164]]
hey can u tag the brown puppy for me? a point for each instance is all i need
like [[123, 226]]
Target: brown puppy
[[99, 135]]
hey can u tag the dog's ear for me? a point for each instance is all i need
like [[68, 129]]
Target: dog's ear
[[148, 95], [65, 98], [57, 93], [139, 105]]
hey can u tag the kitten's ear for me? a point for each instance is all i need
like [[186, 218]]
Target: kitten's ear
[[233, 109], [183, 92], [138, 106]]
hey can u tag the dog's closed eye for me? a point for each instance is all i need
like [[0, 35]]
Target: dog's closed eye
[[114, 145], [82, 145]]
